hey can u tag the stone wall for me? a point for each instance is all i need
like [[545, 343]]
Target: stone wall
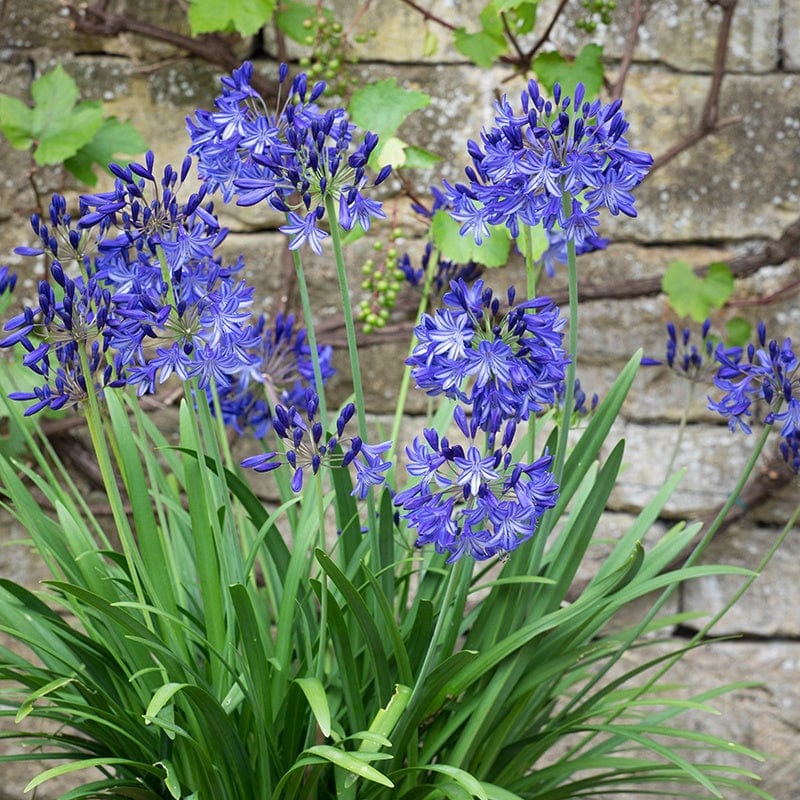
[[726, 197]]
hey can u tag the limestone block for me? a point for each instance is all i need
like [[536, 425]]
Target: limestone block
[[683, 35], [791, 35], [47, 24], [743, 179], [764, 718], [713, 458], [679, 33], [769, 609]]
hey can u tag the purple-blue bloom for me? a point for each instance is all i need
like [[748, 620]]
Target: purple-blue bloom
[[768, 371], [473, 502], [504, 366], [687, 359], [527, 163], [294, 158], [308, 447], [279, 370], [149, 297]]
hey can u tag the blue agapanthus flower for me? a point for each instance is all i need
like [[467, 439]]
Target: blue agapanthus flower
[[529, 161], [502, 366], [768, 371], [306, 447], [293, 158], [470, 500], [280, 371], [141, 294], [685, 356]]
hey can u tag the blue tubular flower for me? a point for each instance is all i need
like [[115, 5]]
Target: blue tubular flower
[[527, 162], [152, 293], [306, 447], [687, 359], [471, 502], [279, 371], [75, 330], [769, 372], [294, 159], [505, 367]]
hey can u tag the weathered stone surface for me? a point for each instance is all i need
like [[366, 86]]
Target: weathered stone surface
[[683, 35], [679, 33], [764, 717], [769, 608], [712, 457], [791, 35], [47, 24]]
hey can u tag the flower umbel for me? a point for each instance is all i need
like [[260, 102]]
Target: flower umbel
[[308, 447], [769, 372], [295, 158], [528, 162], [470, 501], [505, 367]]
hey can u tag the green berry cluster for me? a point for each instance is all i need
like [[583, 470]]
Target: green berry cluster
[[596, 9], [383, 280], [330, 52]]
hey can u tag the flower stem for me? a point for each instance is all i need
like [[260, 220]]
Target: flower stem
[[569, 388], [352, 349], [302, 285], [94, 423], [347, 311], [406, 380], [681, 430]]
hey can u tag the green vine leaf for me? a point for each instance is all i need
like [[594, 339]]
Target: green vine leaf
[[738, 332], [587, 68], [246, 17], [382, 107], [522, 16], [16, 122], [693, 296], [57, 126], [113, 138], [452, 246], [487, 45]]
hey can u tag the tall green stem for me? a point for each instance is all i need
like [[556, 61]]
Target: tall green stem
[[569, 388], [94, 422], [352, 349], [526, 241], [305, 301], [347, 311], [681, 430], [406, 381]]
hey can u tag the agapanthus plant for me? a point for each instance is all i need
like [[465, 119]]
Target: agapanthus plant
[[502, 366], [470, 502], [218, 645], [769, 372]]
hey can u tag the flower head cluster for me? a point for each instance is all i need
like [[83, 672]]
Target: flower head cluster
[[74, 358], [280, 371], [308, 447], [768, 371], [530, 165], [685, 357], [295, 158], [149, 298], [470, 501], [504, 367]]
